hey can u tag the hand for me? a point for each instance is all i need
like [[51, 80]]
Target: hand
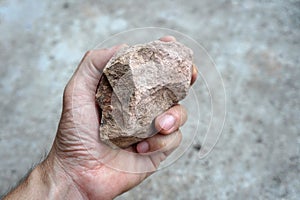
[[84, 165]]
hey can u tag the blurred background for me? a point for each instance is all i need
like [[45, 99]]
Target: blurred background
[[254, 44]]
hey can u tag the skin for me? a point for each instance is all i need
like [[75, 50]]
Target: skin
[[79, 166]]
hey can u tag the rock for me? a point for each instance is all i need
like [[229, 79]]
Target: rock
[[139, 83]]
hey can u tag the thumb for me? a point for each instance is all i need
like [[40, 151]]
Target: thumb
[[91, 66], [82, 86], [88, 73]]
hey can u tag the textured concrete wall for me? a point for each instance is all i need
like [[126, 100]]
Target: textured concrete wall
[[255, 45]]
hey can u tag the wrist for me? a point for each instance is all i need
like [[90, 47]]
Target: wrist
[[58, 183], [46, 181], [69, 183]]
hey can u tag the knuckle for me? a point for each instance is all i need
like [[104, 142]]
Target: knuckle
[[88, 54], [177, 139]]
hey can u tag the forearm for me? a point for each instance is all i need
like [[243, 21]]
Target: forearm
[[44, 182]]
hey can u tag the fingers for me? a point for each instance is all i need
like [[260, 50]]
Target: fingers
[[168, 38], [194, 74], [167, 124], [171, 120], [161, 143]]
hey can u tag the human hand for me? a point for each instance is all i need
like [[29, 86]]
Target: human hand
[[79, 165]]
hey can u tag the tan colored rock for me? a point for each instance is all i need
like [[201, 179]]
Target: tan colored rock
[[139, 83]]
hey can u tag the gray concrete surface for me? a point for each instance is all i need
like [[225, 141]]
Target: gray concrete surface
[[255, 45]]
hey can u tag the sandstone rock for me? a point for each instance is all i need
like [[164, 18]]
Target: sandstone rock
[[139, 83]]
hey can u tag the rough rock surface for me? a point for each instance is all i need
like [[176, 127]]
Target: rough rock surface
[[139, 83]]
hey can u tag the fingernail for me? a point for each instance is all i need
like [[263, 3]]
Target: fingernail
[[167, 122], [143, 147]]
